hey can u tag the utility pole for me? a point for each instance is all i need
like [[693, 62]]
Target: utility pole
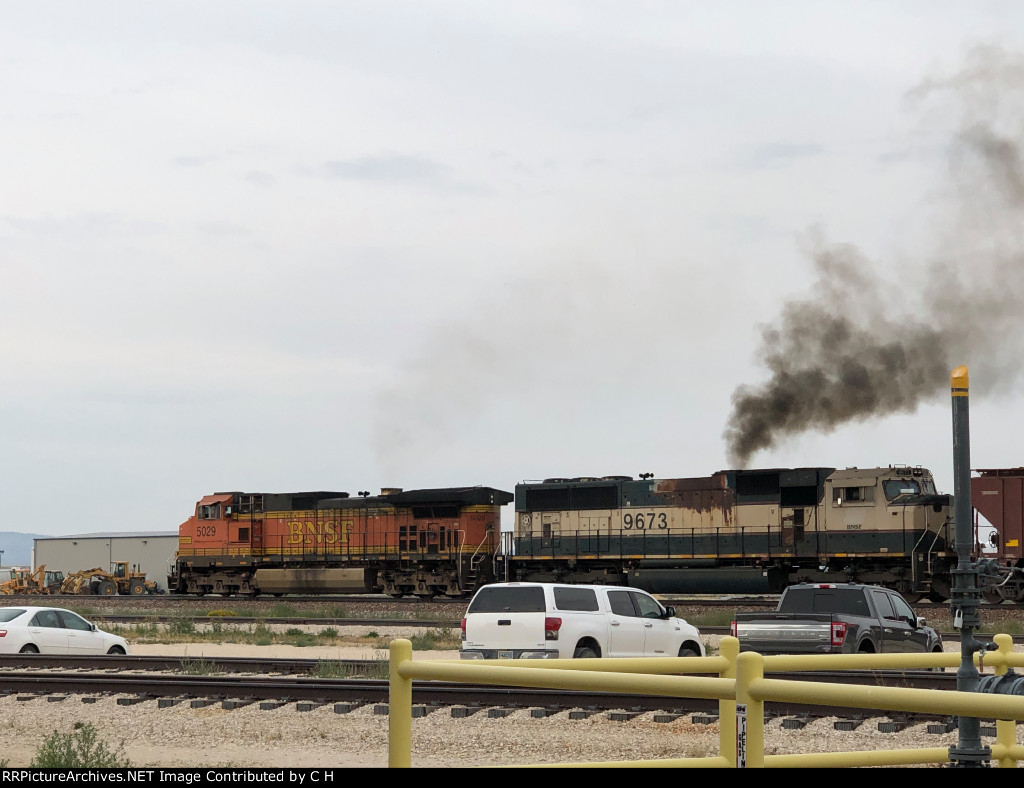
[[966, 595]]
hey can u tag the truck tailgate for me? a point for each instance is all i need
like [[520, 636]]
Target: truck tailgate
[[794, 634], [504, 630]]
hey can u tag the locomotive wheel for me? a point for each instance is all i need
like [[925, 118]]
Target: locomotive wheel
[[991, 596]]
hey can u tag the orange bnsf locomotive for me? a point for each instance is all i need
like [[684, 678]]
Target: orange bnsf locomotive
[[416, 542]]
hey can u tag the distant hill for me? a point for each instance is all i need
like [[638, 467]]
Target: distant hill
[[17, 548]]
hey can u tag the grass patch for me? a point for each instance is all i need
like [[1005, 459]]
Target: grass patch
[[713, 618], [281, 610], [329, 633], [331, 611], [182, 626], [333, 669], [222, 614], [80, 749], [436, 640], [199, 667]]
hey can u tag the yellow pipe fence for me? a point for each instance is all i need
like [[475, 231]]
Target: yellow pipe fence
[[741, 690]]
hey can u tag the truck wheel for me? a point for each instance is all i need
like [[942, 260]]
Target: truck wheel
[[136, 587], [686, 651], [107, 588], [585, 652]]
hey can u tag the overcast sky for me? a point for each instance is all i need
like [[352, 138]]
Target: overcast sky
[[272, 247]]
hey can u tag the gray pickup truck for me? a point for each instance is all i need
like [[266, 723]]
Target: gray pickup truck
[[836, 618]]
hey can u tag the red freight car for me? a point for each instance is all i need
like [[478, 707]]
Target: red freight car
[[998, 495], [421, 542]]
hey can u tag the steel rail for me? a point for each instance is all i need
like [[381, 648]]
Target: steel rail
[[230, 690]]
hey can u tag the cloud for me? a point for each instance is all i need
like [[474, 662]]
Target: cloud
[[779, 154], [260, 178], [387, 168], [193, 161]]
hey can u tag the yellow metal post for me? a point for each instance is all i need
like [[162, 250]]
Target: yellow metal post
[[729, 648], [1006, 730], [749, 712], [399, 707]]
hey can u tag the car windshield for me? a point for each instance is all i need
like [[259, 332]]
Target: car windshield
[[10, 613]]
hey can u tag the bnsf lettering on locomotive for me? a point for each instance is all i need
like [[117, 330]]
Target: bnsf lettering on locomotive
[[312, 533], [640, 521]]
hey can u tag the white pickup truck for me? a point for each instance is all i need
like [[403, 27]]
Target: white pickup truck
[[556, 621]]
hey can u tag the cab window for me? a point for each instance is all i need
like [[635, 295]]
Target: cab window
[[46, 618], [648, 606], [569, 598], [883, 604], [73, 621], [903, 610], [621, 603], [529, 599]]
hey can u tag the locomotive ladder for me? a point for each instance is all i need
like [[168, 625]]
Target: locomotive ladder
[[928, 553]]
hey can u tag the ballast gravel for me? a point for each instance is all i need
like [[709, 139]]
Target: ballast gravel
[[212, 736]]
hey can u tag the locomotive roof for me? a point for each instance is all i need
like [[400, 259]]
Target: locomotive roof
[[465, 496]]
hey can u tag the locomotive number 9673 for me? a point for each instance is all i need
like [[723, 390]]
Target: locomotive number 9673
[[640, 521]]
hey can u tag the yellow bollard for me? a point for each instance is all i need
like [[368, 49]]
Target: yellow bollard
[[399, 707], [749, 712], [729, 648], [1006, 730]]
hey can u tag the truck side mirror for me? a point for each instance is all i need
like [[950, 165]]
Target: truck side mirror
[[920, 622], [670, 612]]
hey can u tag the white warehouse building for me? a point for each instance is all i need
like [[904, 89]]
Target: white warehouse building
[[152, 551]]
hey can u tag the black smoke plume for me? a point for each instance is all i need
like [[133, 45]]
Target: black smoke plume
[[865, 344]]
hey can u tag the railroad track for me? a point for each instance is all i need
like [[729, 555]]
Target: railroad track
[[460, 699]]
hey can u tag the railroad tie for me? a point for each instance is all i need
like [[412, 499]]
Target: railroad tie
[[545, 712], [200, 703], [499, 712], [582, 714], [704, 719], [270, 705], [309, 705], [666, 717], [622, 716], [465, 711], [346, 707], [237, 703], [167, 703], [56, 698]]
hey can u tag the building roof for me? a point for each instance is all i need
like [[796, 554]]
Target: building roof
[[111, 535]]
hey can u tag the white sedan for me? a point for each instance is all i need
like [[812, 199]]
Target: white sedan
[[52, 630]]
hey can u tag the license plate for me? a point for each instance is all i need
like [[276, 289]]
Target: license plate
[[505, 655]]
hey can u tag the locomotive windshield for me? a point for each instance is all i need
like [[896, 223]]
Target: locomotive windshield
[[897, 487]]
